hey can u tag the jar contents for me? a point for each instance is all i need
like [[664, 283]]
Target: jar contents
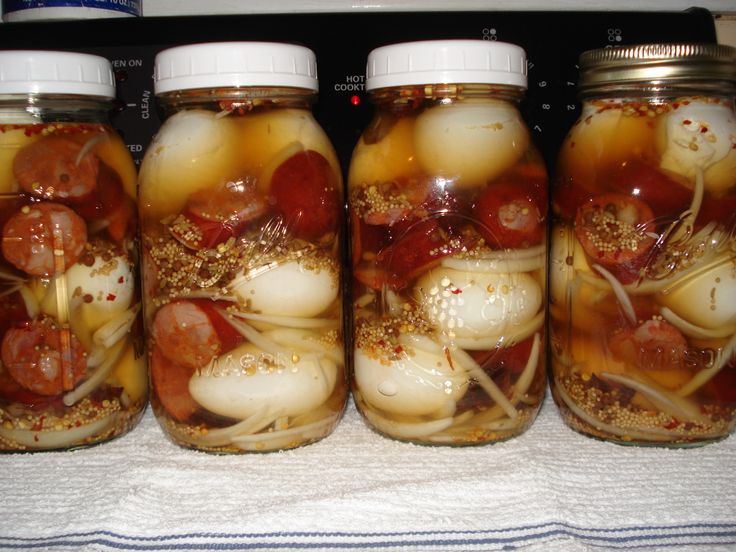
[[73, 370], [643, 270], [240, 207], [448, 203]]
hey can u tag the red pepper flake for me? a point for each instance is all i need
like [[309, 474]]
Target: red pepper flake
[[398, 349], [121, 280], [456, 291], [110, 296], [703, 129], [673, 424], [38, 426], [448, 356], [687, 122]]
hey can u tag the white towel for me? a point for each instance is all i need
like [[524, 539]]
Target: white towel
[[550, 489]]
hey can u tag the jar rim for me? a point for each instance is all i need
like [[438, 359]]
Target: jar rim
[[454, 61], [54, 72], [235, 64], [659, 62]]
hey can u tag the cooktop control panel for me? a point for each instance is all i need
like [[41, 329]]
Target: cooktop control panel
[[553, 42]]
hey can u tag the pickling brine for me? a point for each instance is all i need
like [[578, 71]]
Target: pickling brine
[[643, 269], [240, 202], [448, 206], [72, 369]]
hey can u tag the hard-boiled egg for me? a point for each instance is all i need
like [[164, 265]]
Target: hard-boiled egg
[[419, 384], [699, 135], [477, 304], [590, 355], [566, 258], [248, 381], [706, 299], [194, 150], [102, 290], [293, 288], [269, 138], [469, 144], [604, 137], [114, 153], [390, 158], [130, 374]]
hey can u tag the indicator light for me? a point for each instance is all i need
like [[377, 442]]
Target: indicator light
[[355, 100]]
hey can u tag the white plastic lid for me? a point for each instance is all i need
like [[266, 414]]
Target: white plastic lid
[[45, 72], [446, 62], [235, 64]]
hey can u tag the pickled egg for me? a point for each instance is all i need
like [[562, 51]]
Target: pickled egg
[[700, 135], [590, 355], [566, 258], [103, 290], [469, 144], [414, 385], [706, 299], [294, 288], [604, 138], [194, 150], [388, 159], [477, 304], [130, 374], [269, 138], [248, 381], [114, 153]]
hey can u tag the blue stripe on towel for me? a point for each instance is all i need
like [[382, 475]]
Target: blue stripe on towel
[[510, 538]]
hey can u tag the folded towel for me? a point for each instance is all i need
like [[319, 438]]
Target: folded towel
[[549, 489]]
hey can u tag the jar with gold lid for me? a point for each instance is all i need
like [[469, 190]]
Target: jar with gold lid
[[643, 254]]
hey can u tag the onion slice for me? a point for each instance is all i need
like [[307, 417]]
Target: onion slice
[[691, 330], [515, 334], [497, 265], [407, 430], [484, 380], [99, 376], [306, 341], [620, 293], [704, 376], [676, 406], [224, 436], [274, 440], [289, 321], [117, 328], [64, 438], [88, 146]]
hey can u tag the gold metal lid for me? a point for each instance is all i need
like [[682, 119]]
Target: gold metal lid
[[657, 63]]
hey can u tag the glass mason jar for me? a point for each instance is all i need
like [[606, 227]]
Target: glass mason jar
[[643, 254], [448, 205], [241, 212], [73, 371]]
